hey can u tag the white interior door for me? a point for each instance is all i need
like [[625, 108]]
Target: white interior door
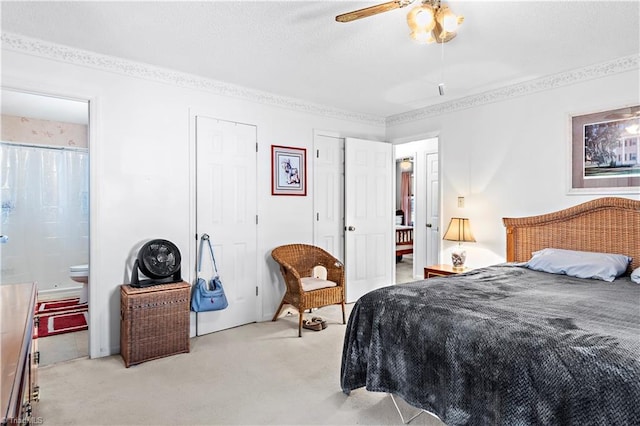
[[419, 225], [433, 209], [328, 200], [369, 214], [226, 209]]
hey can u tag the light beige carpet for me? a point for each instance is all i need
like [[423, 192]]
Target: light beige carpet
[[257, 374]]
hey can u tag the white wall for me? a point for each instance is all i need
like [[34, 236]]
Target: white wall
[[510, 158], [141, 184]]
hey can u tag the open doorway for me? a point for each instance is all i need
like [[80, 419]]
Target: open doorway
[[405, 215], [45, 214], [417, 208]]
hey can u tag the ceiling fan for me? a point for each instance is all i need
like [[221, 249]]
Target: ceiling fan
[[429, 21]]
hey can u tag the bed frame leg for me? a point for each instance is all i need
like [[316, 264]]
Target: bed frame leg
[[400, 412]]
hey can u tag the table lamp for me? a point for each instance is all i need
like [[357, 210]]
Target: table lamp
[[459, 230]]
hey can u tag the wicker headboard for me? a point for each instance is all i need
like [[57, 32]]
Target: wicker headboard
[[606, 225]]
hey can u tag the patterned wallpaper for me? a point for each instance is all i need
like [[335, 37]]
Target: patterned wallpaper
[[45, 132]]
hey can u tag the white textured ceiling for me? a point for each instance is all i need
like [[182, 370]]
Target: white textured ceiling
[[297, 49]]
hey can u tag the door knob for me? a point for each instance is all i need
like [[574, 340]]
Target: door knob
[[351, 228], [429, 225]]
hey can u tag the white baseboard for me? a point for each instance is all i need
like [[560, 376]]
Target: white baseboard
[[59, 293]]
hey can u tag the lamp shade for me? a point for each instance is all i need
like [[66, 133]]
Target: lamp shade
[[459, 230]]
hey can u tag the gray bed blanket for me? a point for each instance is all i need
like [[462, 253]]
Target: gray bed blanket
[[502, 345]]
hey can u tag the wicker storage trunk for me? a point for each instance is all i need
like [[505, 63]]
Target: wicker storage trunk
[[154, 321]]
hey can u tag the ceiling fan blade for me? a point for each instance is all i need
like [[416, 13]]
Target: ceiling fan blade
[[372, 10]]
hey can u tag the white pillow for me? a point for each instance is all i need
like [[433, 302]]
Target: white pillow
[[635, 276], [580, 264]]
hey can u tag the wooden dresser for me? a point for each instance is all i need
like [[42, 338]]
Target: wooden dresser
[[19, 387]]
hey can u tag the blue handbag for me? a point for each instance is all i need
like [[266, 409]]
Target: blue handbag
[[208, 296]]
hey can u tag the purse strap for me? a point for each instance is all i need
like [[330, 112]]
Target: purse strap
[[203, 238]]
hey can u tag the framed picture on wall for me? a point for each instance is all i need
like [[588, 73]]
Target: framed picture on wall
[[288, 170], [605, 152]]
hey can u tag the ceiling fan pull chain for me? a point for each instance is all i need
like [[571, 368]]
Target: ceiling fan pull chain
[[441, 85]]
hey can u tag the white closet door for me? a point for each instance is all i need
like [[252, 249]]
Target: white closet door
[[226, 182], [433, 210], [328, 201]]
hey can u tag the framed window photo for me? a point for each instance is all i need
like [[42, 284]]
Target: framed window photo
[[605, 152], [288, 170]]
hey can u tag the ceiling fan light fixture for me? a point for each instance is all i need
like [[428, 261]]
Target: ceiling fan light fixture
[[422, 37], [421, 18], [441, 35], [432, 21], [431, 16], [448, 20]]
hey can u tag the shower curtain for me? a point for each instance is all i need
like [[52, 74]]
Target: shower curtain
[[45, 214]]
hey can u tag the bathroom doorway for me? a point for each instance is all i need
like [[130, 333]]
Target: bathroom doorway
[[45, 214]]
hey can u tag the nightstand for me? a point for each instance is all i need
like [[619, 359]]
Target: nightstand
[[442, 271]]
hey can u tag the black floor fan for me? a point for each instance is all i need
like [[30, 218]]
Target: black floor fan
[[159, 261]]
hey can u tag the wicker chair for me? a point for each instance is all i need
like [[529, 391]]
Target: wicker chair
[[297, 262]]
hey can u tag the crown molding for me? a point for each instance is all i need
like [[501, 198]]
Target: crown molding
[[129, 68], [126, 67], [626, 63]]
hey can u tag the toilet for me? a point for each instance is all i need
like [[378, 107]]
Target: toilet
[[80, 274]]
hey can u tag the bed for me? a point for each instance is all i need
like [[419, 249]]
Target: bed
[[508, 345], [404, 241]]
